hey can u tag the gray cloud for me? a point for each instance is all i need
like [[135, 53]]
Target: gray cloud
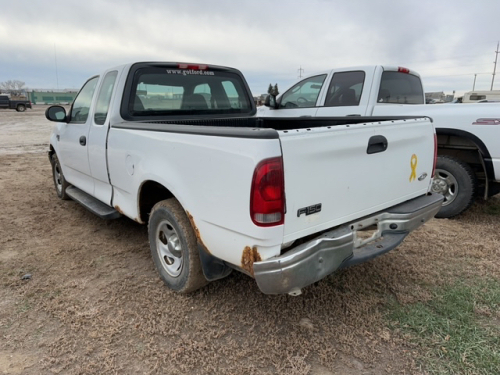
[[446, 41]]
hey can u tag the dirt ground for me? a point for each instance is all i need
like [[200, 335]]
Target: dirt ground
[[95, 305]]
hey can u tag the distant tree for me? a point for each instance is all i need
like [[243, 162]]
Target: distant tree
[[14, 87], [273, 90]]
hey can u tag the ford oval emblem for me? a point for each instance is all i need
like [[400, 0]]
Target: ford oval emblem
[[422, 176]]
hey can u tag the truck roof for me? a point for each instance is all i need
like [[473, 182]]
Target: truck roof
[[367, 68], [174, 63]]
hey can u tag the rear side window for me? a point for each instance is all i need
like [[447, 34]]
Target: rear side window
[[400, 88], [160, 91], [304, 94], [232, 94], [204, 90], [104, 98], [345, 89]]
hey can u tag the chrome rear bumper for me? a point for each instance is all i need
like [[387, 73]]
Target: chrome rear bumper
[[343, 247]]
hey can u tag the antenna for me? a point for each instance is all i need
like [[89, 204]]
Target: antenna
[[55, 60], [300, 70], [495, 68]]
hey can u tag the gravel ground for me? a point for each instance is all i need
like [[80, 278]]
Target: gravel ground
[[95, 305]]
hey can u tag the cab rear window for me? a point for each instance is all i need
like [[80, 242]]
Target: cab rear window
[[157, 91], [400, 88]]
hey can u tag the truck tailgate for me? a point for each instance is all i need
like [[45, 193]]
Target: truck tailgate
[[336, 174]]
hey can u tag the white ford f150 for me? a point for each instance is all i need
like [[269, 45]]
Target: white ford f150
[[468, 163], [286, 201]]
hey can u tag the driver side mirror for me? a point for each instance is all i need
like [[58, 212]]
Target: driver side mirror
[[271, 102], [56, 113]]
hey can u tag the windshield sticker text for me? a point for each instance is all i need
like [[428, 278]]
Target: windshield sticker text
[[187, 72]]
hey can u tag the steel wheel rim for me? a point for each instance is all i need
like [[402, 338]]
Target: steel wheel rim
[[169, 248], [446, 184], [57, 178]]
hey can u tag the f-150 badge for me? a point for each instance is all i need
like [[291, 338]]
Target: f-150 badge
[[413, 164], [315, 208]]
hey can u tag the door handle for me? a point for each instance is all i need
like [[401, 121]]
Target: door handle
[[377, 143], [83, 140]]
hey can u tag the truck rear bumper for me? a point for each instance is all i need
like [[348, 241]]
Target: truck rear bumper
[[344, 246]]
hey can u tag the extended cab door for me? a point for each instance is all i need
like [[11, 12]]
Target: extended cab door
[[98, 138], [348, 93], [73, 138]]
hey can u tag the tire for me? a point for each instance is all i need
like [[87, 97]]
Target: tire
[[174, 247], [457, 182], [21, 108], [60, 182]]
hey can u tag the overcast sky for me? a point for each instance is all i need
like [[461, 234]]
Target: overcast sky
[[59, 44]]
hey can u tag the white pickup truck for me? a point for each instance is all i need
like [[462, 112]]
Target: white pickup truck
[[286, 201], [468, 163]]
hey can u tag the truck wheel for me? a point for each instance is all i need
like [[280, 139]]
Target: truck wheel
[[21, 108], [59, 180], [457, 182], [174, 247]]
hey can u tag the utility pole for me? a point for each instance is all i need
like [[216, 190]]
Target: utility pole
[[55, 59], [474, 84], [300, 70], [495, 68]]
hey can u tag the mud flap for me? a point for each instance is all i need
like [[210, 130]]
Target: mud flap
[[213, 268]]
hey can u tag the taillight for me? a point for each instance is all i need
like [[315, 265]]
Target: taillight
[[267, 196], [192, 66], [435, 154], [403, 70]]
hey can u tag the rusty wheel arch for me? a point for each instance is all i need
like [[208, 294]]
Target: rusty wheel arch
[[150, 193]]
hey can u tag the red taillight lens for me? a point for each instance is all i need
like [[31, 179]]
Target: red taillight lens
[[192, 66], [267, 196], [403, 70], [435, 154]]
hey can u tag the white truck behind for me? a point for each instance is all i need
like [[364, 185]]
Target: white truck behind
[[286, 201], [468, 136]]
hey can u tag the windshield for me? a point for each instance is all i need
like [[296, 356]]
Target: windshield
[[160, 91]]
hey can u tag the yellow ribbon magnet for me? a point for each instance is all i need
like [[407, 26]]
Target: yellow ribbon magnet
[[413, 164]]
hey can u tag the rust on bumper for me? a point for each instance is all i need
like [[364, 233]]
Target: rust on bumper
[[249, 257]]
